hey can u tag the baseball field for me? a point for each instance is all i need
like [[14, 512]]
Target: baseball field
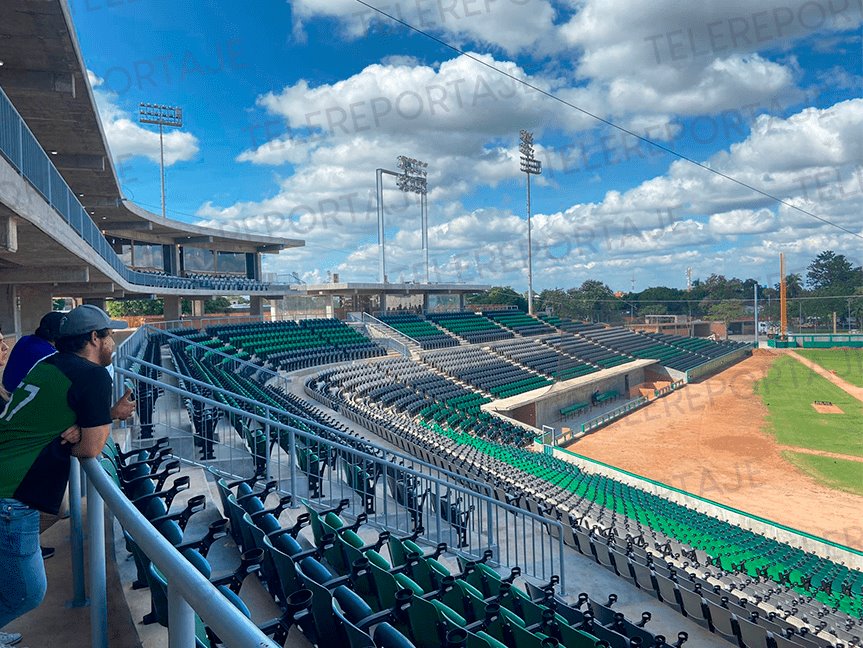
[[778, 435]]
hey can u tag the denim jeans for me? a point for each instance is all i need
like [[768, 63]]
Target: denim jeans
[[22, 571]]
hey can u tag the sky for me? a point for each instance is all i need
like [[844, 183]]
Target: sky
[[672, 134]]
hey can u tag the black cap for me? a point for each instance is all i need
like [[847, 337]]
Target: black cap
[[49, 326]]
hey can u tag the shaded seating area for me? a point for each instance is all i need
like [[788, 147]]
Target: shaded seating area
[[544, 359], [485, 371]]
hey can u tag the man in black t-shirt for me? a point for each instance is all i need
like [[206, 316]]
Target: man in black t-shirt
[[68, 388]]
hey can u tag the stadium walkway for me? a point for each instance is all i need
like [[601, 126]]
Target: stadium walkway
[[55, 625], [844, 385]]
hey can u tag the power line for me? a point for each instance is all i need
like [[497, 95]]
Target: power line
[[607, 122]]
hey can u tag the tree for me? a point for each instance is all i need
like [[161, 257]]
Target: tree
[[217, 305], [831, 270], [726, 311], [499, 296], [130, 307]]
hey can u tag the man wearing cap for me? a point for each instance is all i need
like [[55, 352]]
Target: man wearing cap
[[30, 349], [69, 388]]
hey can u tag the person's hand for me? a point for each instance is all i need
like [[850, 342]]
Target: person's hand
[[123, 408], [71, 435]]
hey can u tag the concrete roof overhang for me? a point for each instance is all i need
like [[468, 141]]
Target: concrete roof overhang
[[348, 289], [44, 75]]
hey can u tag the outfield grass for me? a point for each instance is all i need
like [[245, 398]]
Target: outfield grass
[[838, 473], [788, 391], [846, 363]]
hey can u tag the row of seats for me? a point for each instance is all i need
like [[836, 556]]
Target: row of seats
[[781, 565], [427, 334], [473, 328], [520, 322], [486, 371]]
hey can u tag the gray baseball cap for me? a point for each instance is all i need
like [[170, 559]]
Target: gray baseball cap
[[86, 318]]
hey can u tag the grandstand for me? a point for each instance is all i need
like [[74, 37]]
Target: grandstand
[[722, 576], [320, 482]]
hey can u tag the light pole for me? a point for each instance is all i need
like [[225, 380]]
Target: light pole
[[162, 116], [530, 166], [412, 179]]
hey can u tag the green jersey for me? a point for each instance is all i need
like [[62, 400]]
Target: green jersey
[[60, 391]]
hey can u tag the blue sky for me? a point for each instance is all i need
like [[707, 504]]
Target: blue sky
[[291, 106]]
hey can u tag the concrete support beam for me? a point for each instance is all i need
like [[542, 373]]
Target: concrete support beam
[[172, 309], [99, 200], [256, 306], [38, 81], [78, 162], [91, 289], [425, 302], [197, 308], [45, 275], [125, 226], [188, 240], [8, 233]]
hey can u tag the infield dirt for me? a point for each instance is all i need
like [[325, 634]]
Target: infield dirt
[[711, 439]]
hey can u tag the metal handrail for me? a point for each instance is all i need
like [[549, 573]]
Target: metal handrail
[[189, 592], [20, 147], [374, 321]]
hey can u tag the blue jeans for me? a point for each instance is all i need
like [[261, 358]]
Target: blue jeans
[[23, 582]]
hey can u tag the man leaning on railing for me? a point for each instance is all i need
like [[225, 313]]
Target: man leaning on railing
[[61, 408]]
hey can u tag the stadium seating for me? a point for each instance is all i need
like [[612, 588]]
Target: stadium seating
[[473, 328], [688, 560], [427, 334]]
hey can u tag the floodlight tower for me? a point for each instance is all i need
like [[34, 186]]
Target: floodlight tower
[[162, 116], [412, 179], [530, 166]]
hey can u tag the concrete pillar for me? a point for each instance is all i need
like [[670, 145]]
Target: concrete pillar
[[172, 308], [34, 302], [10, 314], [197, 308], [426, 301], [382, 302], [95, 301], [256, 306], [461, 301]]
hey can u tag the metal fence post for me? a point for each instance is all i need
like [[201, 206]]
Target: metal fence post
[[76, 536], [98, 587], [181, 620], [292, 451]]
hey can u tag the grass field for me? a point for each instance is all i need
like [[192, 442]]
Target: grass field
[[789, 390], [839, 473], [846, 363]]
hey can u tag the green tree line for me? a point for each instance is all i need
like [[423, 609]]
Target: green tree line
[[829, 281]]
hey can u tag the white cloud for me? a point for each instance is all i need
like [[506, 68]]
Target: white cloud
[[509, 25], [128, 139]]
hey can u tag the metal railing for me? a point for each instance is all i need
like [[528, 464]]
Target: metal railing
[[21, 148], [189, 592], [401, 347], [716, 363], [613, 415], [451, 507]]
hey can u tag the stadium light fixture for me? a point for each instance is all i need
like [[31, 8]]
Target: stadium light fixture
[[529, 166], [171, 116], [412, 178]]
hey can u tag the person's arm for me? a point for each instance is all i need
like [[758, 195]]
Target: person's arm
[[92, 441]]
